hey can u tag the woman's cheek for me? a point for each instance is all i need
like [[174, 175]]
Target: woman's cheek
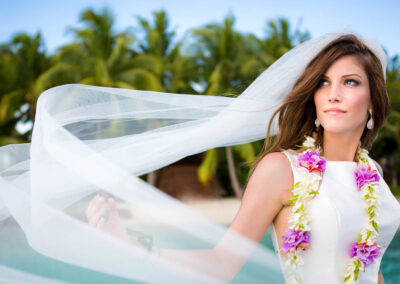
[[359, 106]]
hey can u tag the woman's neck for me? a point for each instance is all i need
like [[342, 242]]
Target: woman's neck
[[339, 147]]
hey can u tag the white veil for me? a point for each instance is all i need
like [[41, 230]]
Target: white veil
[[90, 139]]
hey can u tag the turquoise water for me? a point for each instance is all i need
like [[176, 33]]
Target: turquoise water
[[14, 253]]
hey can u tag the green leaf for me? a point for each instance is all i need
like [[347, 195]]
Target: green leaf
[[356, 274], [300, 208], [208, 166], [302, 146], [246, 151], [371, 190], [357, 269], [293, 186], [375, 226], [11, 102], [293, 198]]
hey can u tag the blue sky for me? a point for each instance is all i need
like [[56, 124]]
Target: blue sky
[[368, 18]]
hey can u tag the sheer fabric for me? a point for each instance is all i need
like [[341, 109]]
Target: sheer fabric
[[88, 140]]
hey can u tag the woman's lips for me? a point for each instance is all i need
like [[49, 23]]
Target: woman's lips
[[334, 111]]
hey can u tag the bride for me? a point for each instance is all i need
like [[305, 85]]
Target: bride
[[332, 214], [340, 89]]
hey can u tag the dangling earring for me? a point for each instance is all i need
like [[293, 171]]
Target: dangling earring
[[370, 123], [317, 123]]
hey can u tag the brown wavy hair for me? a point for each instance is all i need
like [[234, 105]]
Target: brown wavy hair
[[297, 113]]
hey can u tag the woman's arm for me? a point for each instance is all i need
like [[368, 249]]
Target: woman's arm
[[262, 201], [380, 278]]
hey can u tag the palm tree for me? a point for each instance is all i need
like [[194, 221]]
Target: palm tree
[[279, 39], [231, 59], [219, 49], [173, 71], [100, 56], [387, 146], [23, 76]]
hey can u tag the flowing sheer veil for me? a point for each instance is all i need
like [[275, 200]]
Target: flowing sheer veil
[[90, 139]]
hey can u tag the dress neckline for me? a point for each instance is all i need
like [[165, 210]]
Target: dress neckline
[[337, 162], [346, 162]]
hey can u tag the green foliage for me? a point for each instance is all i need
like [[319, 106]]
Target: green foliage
[[395, 190], [215, 59], [23, 61], [208, 166], [386, 148]]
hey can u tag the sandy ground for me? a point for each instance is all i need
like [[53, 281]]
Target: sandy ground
[[219, 210]]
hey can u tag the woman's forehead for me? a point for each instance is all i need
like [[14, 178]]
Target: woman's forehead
[[345, 66]]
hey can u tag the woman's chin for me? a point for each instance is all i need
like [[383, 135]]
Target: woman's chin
[[339, 130]]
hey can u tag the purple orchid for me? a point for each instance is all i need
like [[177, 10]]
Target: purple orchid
[[364, 174], [365, 253], [295, 239], [312, 161]]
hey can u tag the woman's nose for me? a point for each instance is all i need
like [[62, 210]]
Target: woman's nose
[[335, 93]]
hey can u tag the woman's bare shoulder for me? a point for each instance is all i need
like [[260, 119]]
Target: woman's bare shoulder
[[275, 162], [274, 173], [263, 196]]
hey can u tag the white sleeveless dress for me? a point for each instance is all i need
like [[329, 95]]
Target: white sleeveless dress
[[337, 216]]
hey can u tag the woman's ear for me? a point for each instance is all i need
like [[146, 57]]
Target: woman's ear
[[370, 110]]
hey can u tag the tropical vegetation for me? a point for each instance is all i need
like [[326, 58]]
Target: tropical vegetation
[[215, 59]]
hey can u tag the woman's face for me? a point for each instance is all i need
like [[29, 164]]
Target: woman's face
[[342, 99]]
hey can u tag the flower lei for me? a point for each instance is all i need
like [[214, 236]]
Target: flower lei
[[311, 167]]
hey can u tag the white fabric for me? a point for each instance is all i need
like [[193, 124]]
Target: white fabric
[[93, 139], [337, 216]]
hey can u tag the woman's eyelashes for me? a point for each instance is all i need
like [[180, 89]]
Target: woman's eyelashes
[[350, 82], [322, 82]]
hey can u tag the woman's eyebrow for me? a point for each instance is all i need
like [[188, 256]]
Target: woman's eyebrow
[[353, 74], [347, 75]]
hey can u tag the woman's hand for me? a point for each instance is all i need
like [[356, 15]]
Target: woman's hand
[[113, 225]]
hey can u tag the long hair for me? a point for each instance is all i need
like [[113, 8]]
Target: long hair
[[297, 113]]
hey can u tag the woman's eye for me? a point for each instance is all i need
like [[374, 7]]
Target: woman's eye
[[322, 83], [351, 82]]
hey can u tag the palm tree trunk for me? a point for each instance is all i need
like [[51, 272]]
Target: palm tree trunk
[[32, 113], [152, 177], [237, 188]]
